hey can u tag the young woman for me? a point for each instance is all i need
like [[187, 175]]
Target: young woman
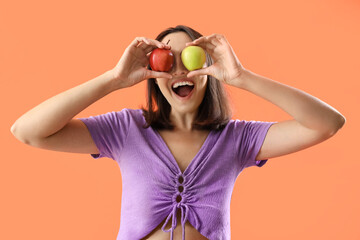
[[179, 158]]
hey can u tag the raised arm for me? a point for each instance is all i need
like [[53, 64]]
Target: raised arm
[[37, 125], [50, 125], [313, 120]]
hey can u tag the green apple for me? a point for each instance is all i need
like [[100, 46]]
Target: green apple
[[193, 57]]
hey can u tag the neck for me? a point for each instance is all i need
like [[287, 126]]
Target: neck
[[183, 121]]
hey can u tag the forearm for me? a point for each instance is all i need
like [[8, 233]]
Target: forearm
[[53, 114], [304, 108]]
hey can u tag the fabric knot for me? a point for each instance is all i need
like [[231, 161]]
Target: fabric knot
[[184, 214]]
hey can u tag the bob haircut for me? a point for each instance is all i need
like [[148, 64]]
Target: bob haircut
[[214, 112]]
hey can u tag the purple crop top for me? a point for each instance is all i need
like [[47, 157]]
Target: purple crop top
[[153, 186]]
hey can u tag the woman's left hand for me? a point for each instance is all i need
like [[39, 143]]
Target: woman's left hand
[[226, 66]]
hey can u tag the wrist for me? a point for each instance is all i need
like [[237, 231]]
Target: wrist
[[112, 81], [240, 81]]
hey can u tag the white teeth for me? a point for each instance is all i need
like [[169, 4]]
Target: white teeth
[[183, 84]]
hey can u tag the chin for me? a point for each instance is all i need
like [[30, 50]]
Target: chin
[[188, 108]]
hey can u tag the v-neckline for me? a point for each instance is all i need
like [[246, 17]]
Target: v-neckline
[[167, 149]]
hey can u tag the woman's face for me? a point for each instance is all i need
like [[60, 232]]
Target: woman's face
[[178, 71]]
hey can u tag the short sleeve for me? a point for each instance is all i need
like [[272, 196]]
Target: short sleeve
[[109, 132], [249, 137]]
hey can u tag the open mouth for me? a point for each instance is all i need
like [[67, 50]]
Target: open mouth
[[183, 91], [183, 88]]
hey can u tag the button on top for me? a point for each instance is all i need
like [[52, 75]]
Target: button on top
[[181, 179], [181, 188]]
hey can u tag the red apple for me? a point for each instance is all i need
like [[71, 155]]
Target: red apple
[[161, 60]]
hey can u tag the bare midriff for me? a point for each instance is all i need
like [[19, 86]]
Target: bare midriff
[[190, 232]]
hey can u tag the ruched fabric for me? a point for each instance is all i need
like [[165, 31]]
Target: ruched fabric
[[180, 203], [154, 188]]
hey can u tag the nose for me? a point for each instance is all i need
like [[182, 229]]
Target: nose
[[179, 69]]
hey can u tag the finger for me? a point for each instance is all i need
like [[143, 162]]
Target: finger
[[154, 74], [215, 40], [203, 71], [155, 44], [148, 45], [200, 39], [149, 49], [208, 47], [137, 41], [144, 43], [151, 46], [216, 36], [203, 42], [221, 38], [196, 41]]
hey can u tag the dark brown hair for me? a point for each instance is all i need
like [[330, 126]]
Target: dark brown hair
[[214, 111]]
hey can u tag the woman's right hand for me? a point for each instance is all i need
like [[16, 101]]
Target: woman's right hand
[[132, 66]]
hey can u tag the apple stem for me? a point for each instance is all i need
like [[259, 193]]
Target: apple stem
[[168, 42]]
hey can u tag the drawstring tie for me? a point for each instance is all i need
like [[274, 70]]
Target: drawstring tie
[[172, 214]]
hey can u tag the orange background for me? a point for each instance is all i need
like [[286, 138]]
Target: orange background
[[48, 47]]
